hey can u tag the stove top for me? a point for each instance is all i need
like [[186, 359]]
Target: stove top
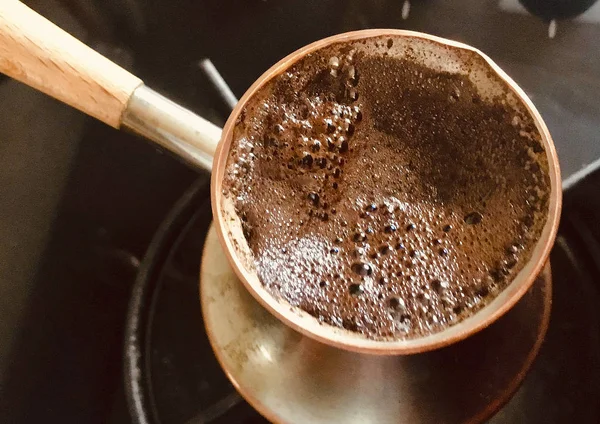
[[81, 203]]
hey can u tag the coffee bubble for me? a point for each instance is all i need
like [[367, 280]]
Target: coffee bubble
[[404, 200]]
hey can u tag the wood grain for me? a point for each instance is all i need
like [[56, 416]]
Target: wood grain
[[38, 53]]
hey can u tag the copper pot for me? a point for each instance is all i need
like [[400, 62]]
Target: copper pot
[[230, 233], [38, 53]]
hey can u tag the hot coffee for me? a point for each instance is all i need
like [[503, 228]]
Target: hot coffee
[[384, 195]]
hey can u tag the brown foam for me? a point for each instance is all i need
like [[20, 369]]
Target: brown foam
[[383, 196]]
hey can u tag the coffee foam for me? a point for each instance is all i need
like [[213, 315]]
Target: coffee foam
[[392, 187]]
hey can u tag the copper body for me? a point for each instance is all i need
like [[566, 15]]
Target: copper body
[[230, 235]]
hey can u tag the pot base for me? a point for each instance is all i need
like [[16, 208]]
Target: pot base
[[291, 378]]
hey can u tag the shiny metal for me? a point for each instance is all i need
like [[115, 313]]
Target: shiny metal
[[290, 378], [218, 81], [173, 127]]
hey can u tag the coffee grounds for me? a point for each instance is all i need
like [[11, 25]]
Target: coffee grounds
[[382, 196]]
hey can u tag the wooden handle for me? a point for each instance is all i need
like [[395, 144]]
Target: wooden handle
[[38, 53]]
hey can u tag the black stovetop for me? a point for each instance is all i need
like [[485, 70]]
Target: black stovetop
[[80, 202]]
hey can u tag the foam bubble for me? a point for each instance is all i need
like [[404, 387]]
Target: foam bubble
[[363, 179]]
